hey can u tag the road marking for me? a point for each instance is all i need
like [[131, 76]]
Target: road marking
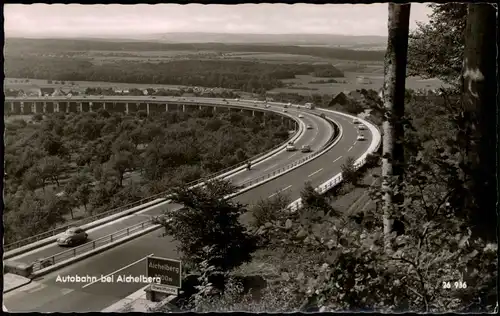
[[312, 174], [125, 267], [315, 135], [288, 187], [292, 155], [355, 142], [271, 167], [349, 148], [337, 159]]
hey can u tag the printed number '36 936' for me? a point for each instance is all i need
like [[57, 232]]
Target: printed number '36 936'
[[456, 285]]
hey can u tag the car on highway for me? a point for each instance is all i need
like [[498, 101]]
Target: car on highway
[[360, 137], [309, 106], [361, 127], [268, 106], [290, 147], [236, 100], [356, 121], [284, 110], [289, 104], [305, 149], [301, 116], [72, 236], [309, 126]]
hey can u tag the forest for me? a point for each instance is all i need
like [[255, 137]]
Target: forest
[[102, 160], [19, 46], [241, 75]]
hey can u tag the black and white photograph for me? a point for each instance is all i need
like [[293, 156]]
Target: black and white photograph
[[250, 157]]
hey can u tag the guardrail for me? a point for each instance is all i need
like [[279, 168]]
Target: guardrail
[[295, 163], [336, 130], [164, 194], [90, 245], [326, 186], [297, 204]]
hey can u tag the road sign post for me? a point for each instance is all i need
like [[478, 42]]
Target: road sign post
[[166, 275]]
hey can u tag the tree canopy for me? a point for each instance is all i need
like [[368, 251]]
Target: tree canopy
[[435, 49], [92, 160]]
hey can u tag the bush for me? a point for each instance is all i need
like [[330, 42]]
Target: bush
[[349, 172], [372, 160], [37, 117], [269, 210], [208, 230], [142, 114]]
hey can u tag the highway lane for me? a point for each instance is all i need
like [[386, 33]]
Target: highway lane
[[316, 137], [52, 296], [316, 172], [47, 295]]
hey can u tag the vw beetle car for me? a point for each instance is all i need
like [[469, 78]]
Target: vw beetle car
[[72, 236]]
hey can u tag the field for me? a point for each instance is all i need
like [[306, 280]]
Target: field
[[98, 57], [358, 74], [351, 81], [274, 57]]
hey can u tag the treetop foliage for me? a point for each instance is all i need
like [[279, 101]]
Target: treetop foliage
[[242, 75], [435, 49], [208, 225], [104, 160]]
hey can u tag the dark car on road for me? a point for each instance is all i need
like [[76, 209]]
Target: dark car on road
[[72, 237], [306, 149]]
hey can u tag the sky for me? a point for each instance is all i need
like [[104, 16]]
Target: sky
[[46, 20]]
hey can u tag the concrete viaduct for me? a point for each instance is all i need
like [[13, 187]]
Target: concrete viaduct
[[128, 105]]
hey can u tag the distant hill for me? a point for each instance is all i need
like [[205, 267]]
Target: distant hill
[[330, 40], [18, 46], [279, 39]]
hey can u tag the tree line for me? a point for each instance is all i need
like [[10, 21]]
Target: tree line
[[240, 75], [19, 46]]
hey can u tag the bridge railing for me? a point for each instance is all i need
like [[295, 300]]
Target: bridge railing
[[296, 205], [294, 164], [119, 209], [91, 245]]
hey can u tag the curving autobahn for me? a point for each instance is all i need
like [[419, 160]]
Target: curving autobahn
[[47, 295]]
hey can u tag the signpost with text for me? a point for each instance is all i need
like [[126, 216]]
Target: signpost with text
[[166, 273]]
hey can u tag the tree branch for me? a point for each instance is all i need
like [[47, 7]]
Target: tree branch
[[421, 279]]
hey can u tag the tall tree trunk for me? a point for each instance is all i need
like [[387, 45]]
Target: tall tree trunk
[[393, 97], [480, 113]]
